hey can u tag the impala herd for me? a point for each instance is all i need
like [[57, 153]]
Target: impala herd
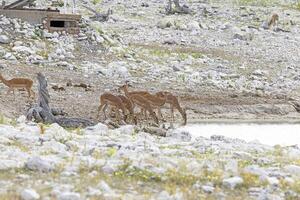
[[127, 103]]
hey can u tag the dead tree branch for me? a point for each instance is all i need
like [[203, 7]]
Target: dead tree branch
[[184, 9], [101, 17], [43, 113]]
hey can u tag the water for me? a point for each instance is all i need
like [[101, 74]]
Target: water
[[270, 134]]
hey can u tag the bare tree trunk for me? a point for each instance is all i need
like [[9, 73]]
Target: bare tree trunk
[[178, 8], [176, 2], [101, 17], [43, 113]]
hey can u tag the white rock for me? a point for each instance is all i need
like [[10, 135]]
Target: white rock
[[265, 25], [164, 195], [38, 164], [225, 26], [293, 169], [273, 181], [29, 194], [232, 182], [104, 187], [118, 69], [99, 39], [9, 56], [208, 189], [180, 135], [23, 50], [4, 39], [193, 26], [294, 153], [98, 129], [18, 43], [255, 169], [109, 168], [7, 164], [68, 196], [21, 119], [58, 133], [243, 36], [289, 180], [165, 23], [54, 147], [94, 192], [127, 129], [259, 72], [231, 166]]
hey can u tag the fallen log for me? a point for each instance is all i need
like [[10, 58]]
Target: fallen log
[[155, 131]]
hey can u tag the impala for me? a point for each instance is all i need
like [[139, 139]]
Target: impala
[[18, 83]]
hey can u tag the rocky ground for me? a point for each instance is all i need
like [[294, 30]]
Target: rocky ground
[[48, 162], [218, 61]]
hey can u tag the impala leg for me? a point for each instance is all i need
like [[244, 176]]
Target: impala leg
[[125, 116], [33, 94], [160, 114], [104, 111], [145, 114], [172, 115], [111, 111], [28, 91], [153, 115], [134, 119], [118, 115], [141, 113], [9, 90], [99, 110]]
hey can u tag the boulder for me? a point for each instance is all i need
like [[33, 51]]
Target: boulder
[[39, 164], [68, 196], [4, 39], [29, 194], [180, 135], [232, 182]]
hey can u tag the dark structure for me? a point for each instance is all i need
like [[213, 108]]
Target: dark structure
[[52, 20]]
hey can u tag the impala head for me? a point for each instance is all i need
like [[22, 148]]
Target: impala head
[[275, 17], [125, 86]]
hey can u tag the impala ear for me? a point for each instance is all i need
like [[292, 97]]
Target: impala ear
[[128, 83]]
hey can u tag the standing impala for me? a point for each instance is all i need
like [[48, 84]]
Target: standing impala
[[18, 83], [140, 101], [155, 101], [173, 101], [129, 106], [114, 101]]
